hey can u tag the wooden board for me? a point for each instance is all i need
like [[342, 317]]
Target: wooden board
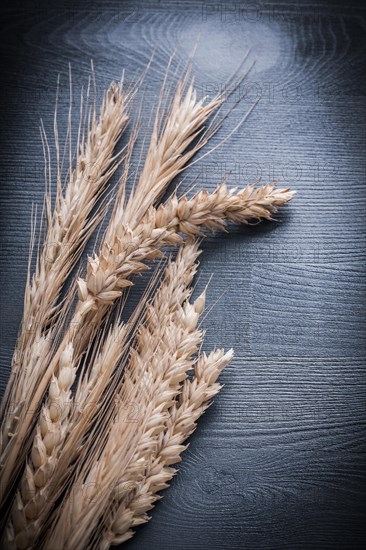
[[278, 461]]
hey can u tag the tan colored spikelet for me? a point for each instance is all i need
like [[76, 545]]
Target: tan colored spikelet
[[90, 492], [159, 362], [104, 280], [110, 272], [60, 431], [216, 209], [167, 155], [34, 492], [108, 470], [136, 502], [69, 228], [107, 275]]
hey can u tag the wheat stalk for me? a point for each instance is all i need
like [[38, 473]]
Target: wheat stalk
[[159, 360], [111, 271], [166, 157], [126, 464], [167, 153], [166, 344], [90, 490], [213, 210], [133, 499], [70, 224], [33, 495], [107, 275], [69, 227], [60, 429], [208, 210]]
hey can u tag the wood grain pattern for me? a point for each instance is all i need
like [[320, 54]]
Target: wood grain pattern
[[278, 460]]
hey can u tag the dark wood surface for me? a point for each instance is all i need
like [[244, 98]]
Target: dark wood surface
[[278, 461]]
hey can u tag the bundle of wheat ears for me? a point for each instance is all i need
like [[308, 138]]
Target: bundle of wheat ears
[[98, 407]]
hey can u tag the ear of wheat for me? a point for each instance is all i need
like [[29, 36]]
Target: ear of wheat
[[167, 155], [160, 360], [90, 476], [68, 229], [62, 424], [132, 500]]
